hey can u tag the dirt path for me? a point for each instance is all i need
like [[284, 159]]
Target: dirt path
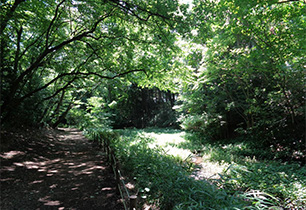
[[58, 171]]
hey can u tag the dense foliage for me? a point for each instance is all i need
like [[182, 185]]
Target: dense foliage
[[230, 71], [55, 53], [240, 64], [248, 72]]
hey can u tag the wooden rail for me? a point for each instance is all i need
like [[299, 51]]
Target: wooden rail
[[129, 201]]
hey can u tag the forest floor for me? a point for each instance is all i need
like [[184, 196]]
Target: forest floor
[[55, 169]]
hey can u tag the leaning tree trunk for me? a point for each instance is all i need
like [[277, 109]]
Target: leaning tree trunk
[[63, 116]]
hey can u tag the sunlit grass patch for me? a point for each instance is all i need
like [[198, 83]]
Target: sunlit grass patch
[[166, 139], [155, 161], [168, 142], [210, 170]]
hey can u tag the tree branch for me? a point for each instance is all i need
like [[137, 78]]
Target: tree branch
[[61, 89], [113, 77], [287, 1], [52, 22], [16, 59], [87, 74], [31, 44], [129, 6], [74, 72], [16, 83], [9, 15]]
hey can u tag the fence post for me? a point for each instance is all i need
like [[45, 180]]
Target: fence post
[[107, 150], [106, 145], [103, 145], [112, 157], [117, 176], [133, 202]]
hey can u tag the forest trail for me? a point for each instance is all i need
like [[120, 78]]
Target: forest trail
[[58, 171]]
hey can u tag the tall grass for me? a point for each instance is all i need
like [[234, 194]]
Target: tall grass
[[253, 168], [164, 180]]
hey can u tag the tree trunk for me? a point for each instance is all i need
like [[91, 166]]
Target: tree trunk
[[63, 116]]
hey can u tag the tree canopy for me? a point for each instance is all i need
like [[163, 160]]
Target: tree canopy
[[237, 67], [52, 49], [248, 67], [231, 73]]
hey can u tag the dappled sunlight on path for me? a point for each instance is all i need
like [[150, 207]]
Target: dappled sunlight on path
[[60, 172]]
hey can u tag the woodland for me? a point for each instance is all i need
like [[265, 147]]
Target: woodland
[[229, 74]]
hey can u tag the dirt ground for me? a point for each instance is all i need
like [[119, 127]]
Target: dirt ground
[[48, 169]]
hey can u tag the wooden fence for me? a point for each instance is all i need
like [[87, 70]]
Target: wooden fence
[[129, 200]]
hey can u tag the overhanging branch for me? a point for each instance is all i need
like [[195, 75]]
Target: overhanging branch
[[111, 77], [128, 7], [74, 72], [52, 22], [288, 1], [9, 15], [33, 66]]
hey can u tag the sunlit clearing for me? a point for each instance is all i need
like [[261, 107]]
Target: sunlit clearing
[[169, 143], [165, 139]]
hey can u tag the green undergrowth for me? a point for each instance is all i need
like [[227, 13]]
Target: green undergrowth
[[255, 171], [283, 185], [164, 180]]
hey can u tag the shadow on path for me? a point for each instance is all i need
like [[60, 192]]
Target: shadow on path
[[58, 171]]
